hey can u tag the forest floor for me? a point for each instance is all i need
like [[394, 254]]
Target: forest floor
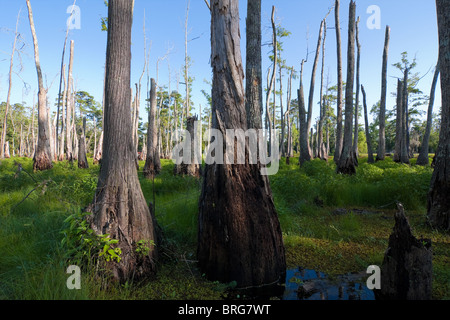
[[331, 223]]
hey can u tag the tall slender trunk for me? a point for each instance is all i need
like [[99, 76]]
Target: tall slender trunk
[[234, 239], [313, 79], [382, 131], [321, 149], [8, 98], [346, 163], [152, 163], [82, 158], [42, 157], [358, 63], [305, 154], [119, 208], [366, 122], [404, 155], [399, 122], [69, 105], [423, 159], [340, 85]]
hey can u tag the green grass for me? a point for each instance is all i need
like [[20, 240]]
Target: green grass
[[33, 263]]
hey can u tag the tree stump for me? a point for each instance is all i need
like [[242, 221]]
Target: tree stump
[[192, 168], [406, 273]]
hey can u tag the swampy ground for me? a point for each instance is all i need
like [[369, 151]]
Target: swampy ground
[[332, 224]]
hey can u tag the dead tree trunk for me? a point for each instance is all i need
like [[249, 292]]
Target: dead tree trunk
[[423, 159], [42, 157], [347, 163], [358, 63], [399, 122], [233, 239], [404, 154], [119, 207], [193, 167], [69, 106], [406, 272], [313, 79], [152, 163], [438, 199], [320, 145], [366, 122], [340, 85], [382, 132], [8, 98], [305, 154], [82, 158]]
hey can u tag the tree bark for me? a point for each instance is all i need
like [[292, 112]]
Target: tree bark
[[399, 122], [69, 106], [438, 199], [42, 157], [119, 207], [313, 79], [366, 121], [423, 159], [241, 242], [305, 154], [82, 158], [404, 155], [358, 63], [382, 131], [320, 145], [346, 163], [340, 85], [152, 163], [253, 101]]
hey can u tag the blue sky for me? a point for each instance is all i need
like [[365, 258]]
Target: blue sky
[[413, 29]]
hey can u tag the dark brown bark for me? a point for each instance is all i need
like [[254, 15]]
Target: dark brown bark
[[347, 162], [366, 122], [119, 208], [253, 101], [406, 272], [42, 157], [438, 199], [82, 158], [423, 159], [382, 131], [153, 162], [239, 233], [404, 154], [399, 122], [340, 84]]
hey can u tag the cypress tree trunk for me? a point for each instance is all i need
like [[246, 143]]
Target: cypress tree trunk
[[119, 207], [340, 84], [423, 159], [82, 159], [438, 199], [42, 157], [239, 234], [69, 107], [382, 132], [313, 79], [152, 163], [366, 122], [358, 63], [346, 163], [305, 155], [399, 122], [404, 154]]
